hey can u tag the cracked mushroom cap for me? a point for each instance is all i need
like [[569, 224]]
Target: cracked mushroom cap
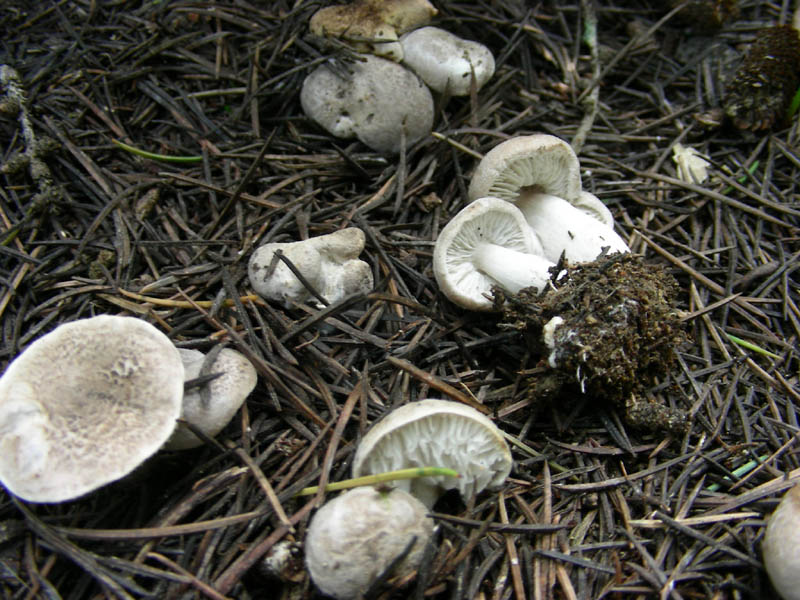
[[372, 25], [373, 99], [436, 433], [85, 405], [354, 537], [487, 243], [445, 62], [210, 410], [781, 546], [540, 162]]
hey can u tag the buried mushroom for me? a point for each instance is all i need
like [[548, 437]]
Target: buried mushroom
[[372, 99], [211, 407], [84, 405], [441, 433], [354, 538], [328, 263], [540, 174], [487, 244]]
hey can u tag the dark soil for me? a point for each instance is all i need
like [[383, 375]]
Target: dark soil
[[594, 508]]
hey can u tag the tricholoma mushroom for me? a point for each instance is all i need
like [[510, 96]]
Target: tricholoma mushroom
[[356, 536], [437, 433], [86, 404], [781, 546], [329, 263]]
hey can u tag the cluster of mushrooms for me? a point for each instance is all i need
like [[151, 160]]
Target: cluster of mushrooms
[[87, 403], [382, 94]]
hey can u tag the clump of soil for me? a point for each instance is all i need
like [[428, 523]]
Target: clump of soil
[[608, 328]]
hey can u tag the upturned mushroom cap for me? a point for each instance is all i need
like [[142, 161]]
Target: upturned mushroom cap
[[225, 395], [86, 404], [540, 163], [487, 243], [445, 62], [354, 537], [781, 546], [436, 433], [328, 262], [374, 100], [372, 25]]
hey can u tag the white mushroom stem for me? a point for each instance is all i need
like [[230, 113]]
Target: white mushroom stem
[[512, 270], [561, 227]]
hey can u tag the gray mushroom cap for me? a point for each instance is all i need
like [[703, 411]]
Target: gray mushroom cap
[[781, 546], [328, 262], [354, 537], [373, 99], [225, 395], [445, 62], [436, 433], [86, 404]]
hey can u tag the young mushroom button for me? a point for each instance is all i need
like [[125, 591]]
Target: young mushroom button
[[436, 433], [356, 536], [488, 243], [85, 405], [212, 408], [541, 175]]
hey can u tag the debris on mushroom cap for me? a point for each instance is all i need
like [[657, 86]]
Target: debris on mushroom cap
[[436, 433], [212, 409], [372, 25], [445, 62], [374, 100], [86, 404], [355, 537], [328, 262], [487, 243], [539, 162], [781, 546]]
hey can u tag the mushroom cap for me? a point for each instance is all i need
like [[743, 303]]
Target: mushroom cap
[[226, 394], [540, 162], [86, 404], [484, 221], [329, 263], [436, 433], [372, 25], [781, 546], [354, 537], [375, 100], [445, 62]]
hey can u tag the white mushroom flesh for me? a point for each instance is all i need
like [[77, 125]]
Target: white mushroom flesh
[[86, 404], [354, 537]]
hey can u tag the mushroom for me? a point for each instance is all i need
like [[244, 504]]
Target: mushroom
[[329, 263], [356, 536], [373, 99], [372, 25], [210, 410], [781, 546], [445, 62], [692, 167], [487, 243], [541, 174], [84, 405], [437, 433]]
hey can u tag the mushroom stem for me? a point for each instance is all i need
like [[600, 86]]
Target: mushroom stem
[[512, 270], [561, 227]]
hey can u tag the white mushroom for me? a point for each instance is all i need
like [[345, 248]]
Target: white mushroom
[[781, 546], [86, 404], [692, 167], [372, 25], [354, 538], [373, 99], [211, 410], [487, 243], [328, 262], [436, 433], [445, 62], [535, 172]]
